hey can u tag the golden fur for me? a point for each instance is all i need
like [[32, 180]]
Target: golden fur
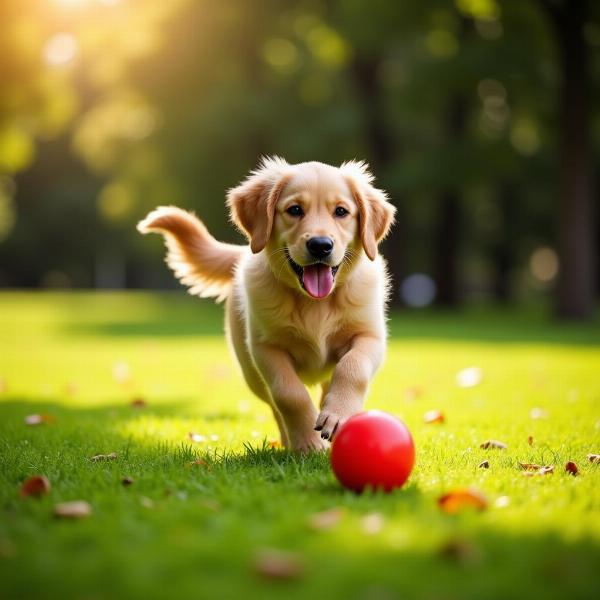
[[282, 337]]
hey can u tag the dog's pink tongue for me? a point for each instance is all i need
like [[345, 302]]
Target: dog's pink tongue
[[318, 280]]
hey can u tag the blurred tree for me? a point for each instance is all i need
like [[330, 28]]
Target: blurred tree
[[576, 211]]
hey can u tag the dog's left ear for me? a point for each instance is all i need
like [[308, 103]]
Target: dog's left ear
[[252, 203], [376, 213]]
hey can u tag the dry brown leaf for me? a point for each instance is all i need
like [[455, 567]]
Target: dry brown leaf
[[99, 457], [531, 470], [493, 444], [530, 466], [571, 468], [594, 458], [33, 420], [138, 403], [199, 462], [434, 416], [38, 485], [78, 509], [413, 392], [127, 481], [276, 564], [530, 440], [323, 521], [462, 498], [485, 464]]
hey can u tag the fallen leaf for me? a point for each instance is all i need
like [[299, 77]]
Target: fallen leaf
[[121, 372], [493, 444], [38, 485], [538, 470], [434, 416], [530, 440], [196, 437], [469, 377], [323, 521], [99, 457], [276, 564], [530, 466], [33, 420], [147, 502], [502, 502], [594, 458], [274, 443], [78, 509], [413, 392], [127, 481], [199, 462], [138, 403], [462, 498], [372, 523], [571, 468], [485, 464], [538, 413]]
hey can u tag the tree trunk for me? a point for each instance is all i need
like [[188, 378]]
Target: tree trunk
[[503, 256], [576, 236], [447, 231]]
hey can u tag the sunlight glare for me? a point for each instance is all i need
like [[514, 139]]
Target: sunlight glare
[[61, 49]]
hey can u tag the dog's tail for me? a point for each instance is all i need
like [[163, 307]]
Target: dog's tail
[[199, 261]]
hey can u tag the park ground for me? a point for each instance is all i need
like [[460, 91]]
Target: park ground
[[225, 513]]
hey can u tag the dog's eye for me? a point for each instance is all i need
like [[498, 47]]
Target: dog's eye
[[340, 211], [295, 210]]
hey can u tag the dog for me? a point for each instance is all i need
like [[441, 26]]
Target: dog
[[306, 299]]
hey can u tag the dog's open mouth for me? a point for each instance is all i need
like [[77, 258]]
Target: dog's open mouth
[[317, 279]]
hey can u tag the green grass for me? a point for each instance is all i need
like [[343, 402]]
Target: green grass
[[195, 531]]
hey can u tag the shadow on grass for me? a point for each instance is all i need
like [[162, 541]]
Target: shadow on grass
[[194, 529], [172, 315]]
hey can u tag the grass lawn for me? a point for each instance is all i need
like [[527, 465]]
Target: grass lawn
[[200, 530]]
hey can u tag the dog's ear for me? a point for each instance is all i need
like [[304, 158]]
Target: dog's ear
[[252, 203], [376, 213]]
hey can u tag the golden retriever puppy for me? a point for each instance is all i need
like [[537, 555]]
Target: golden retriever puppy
[[306, 299]]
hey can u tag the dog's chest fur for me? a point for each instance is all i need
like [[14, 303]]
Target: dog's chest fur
[[316, 333]]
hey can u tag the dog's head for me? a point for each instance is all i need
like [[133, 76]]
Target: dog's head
[[312, 220]]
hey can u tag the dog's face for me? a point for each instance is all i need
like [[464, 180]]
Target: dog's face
[[312, 220]]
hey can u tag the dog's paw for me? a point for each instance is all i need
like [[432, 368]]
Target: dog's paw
[[310, 442], [328, 423]]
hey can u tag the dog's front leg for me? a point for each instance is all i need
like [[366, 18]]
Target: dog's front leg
[[289, 396], [350, 383]]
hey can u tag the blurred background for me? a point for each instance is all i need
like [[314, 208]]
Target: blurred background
[[480, 118]]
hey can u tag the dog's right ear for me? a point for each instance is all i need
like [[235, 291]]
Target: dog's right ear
[[252, 203]]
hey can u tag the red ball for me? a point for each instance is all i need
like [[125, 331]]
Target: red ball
[[373, 449]]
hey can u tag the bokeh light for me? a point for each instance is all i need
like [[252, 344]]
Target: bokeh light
[[544, 264], [61, 49], [418, 290]]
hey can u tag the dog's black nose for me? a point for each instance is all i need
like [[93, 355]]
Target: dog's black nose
[[320, 247]]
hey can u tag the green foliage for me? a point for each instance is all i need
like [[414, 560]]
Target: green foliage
[[195, 530]]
